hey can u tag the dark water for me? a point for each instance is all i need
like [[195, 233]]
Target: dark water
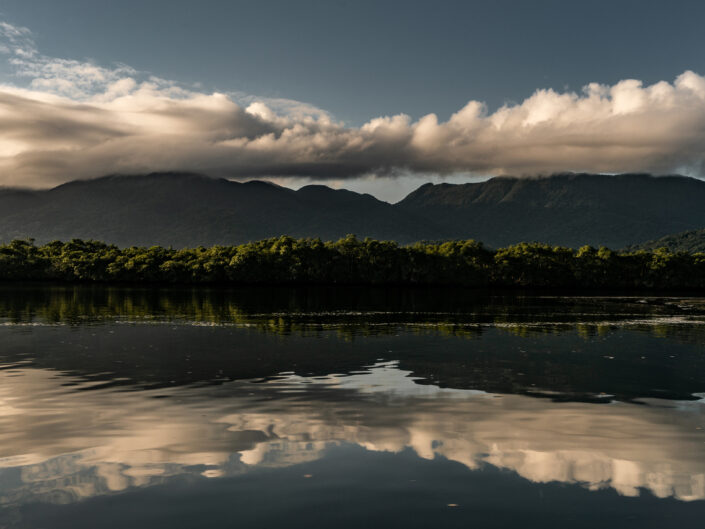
[[349, 408]]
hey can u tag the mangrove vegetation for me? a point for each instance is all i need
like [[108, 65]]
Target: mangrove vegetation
[[351, 261]]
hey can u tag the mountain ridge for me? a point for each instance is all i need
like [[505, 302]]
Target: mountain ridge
[[189, 209], [569, 209]]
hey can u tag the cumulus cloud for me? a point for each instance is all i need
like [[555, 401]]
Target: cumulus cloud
[[65, 119]]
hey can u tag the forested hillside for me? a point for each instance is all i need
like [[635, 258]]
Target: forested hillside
[[687, 241], [181, 210], [565, 209], [186, 210]]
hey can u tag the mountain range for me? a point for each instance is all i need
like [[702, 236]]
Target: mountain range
[[184, 209]]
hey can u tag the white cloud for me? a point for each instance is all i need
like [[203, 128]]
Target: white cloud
[[74, 119]]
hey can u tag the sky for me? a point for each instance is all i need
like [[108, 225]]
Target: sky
[[373, 96]]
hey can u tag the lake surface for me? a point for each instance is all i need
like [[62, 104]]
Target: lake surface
[[189, 408]]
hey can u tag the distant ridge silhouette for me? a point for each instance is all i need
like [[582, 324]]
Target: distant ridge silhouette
[[186, 209]]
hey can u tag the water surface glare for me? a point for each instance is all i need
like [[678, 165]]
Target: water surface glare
[[349, 408]]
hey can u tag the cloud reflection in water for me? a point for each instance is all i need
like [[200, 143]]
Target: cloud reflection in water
[[60, 444]]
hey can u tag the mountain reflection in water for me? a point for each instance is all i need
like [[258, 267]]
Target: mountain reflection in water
[[106, 402]]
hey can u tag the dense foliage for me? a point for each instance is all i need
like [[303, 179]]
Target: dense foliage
[[687, 241], [285, 260]]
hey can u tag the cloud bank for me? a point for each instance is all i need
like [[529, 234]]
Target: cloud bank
[[63, 119]]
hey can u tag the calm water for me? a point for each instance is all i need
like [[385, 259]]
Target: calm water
[[349, 408]]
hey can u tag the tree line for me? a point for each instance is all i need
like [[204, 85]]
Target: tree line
[[351, 261]]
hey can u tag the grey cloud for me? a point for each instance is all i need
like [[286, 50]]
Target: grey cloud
[[77, 119], [45, 124], [48, 138]]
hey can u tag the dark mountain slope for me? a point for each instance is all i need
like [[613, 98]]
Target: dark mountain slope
[[687, 241], [565, 209], [191, 210], [180, 209]]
